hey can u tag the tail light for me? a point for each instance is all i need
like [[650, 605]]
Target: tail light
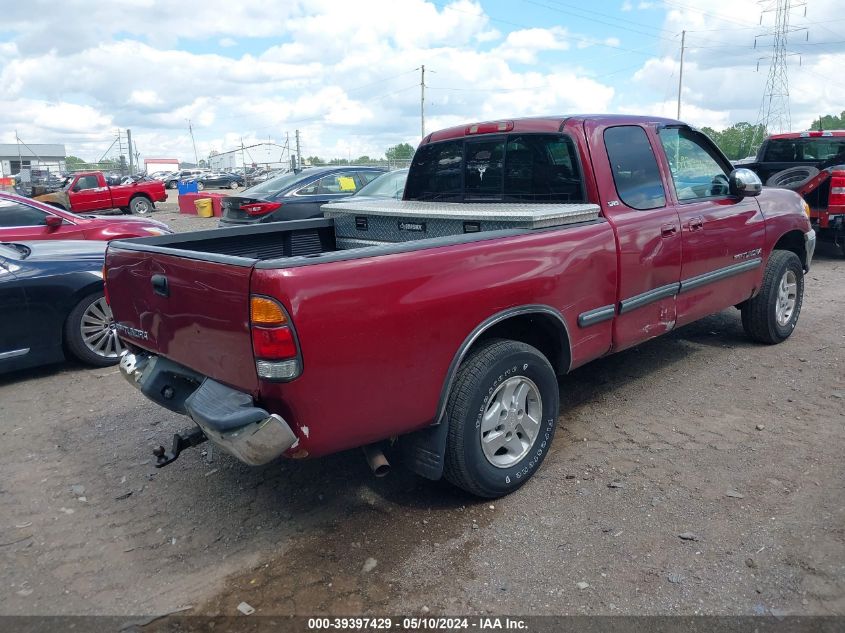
[[259, 208], [837, 189], [274, 343]]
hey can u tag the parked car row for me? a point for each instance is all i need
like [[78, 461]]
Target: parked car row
[[51, 284]]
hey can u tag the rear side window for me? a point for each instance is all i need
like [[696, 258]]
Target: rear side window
[[15, 214], [518, 167], [634, 167]]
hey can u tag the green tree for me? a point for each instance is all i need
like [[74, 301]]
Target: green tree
[[829, 122], [74, 162], [403, 151], [739, 140], [314, 160]]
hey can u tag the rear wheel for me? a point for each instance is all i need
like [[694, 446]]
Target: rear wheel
[[501, 413], [233, 184], [771, 316], [90, 334], [140, 205], [171, 184]]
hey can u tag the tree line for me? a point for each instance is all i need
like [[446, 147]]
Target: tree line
[[743, 139]]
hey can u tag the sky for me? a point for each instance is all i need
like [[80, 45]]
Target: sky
[[347, 74]]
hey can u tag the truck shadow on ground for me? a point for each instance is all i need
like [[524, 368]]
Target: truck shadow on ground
[[342, 537]]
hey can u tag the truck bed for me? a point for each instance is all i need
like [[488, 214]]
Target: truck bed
[[299, 242]]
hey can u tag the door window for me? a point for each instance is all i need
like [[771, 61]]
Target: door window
[[16, 214], [697, 171], [87, 182], [634, 167], [343, 183]]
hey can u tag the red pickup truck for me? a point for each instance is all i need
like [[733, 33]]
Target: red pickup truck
[[89, 191], [813, 165], [521, 250]]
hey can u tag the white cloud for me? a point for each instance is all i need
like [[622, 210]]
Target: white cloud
[[348, 78], [721, 82]]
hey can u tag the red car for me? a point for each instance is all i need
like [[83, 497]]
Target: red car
[[22, 219]]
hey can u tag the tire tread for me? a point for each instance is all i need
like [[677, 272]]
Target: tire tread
[[463, 391], [755, 311]]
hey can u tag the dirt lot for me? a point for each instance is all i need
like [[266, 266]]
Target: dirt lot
[[698, 432]]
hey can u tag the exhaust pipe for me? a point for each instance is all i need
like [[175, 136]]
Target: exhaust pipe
[[376, 460]]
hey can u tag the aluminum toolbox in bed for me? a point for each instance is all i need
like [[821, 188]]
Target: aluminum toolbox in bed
[[369, 223]]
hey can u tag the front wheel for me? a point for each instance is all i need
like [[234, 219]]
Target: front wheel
[[501, 413], [233, 184], [90, 334], [770, 317]]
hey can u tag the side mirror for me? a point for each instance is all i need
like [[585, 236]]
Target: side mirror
[[53, 221], [744, 182]]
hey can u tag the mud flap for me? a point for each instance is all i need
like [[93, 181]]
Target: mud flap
[[423, 451]]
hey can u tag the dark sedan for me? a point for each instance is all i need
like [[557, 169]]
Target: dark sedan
[[53, 305], [220, 181], [295, 196]]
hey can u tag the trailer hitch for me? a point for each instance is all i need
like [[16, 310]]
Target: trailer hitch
[[181, 441]]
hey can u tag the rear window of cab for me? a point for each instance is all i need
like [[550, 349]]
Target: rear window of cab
[[513, 167]]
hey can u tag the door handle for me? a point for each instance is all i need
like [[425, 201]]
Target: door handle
[[667, 230], [696, 223]]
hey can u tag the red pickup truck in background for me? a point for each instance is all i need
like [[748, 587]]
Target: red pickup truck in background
[[521, 250], [89, 191], [813, 165]]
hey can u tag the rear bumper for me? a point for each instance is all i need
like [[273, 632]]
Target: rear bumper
[[228, 417]]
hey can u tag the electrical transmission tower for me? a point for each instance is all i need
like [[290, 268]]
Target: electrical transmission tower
[[774, 114]]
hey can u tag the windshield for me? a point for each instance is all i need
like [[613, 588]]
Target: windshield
[[274, 185], [389, 185]]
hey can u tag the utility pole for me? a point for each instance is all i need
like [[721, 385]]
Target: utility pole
[[131, 153], [422, 101], [121, 157], [298, 151], [20, 158], [196, 157], [243, 157], [681, 73]]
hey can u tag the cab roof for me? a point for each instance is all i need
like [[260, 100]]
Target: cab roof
[[808, 134], [541, 124]]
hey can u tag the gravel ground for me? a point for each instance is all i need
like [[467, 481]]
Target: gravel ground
[[700, 433]]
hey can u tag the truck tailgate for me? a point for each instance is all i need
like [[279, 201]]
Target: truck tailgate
[[193, 312]]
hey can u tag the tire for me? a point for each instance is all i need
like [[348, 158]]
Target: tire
[[792, 178], [93, 318], [233, 184], [171, 184], [140, 205], [767, 318], [200, 186], [481, 388]]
